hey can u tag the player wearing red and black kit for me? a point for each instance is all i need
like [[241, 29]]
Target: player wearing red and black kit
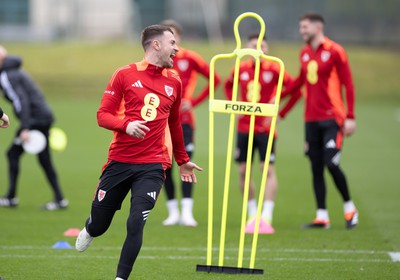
[[266, 85], [138, 103], [188, 65], [154, 96], [137, 92], [269, 75], [324, 70]]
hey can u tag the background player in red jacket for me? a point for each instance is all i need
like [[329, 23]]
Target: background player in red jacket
[[137, 104], [188, 64], [268, 80], [324, 70]]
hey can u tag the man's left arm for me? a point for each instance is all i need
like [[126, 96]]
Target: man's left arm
[[346, 79], [186, 167], [175, 127]]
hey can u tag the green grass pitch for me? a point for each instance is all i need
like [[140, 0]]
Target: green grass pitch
[[73, 77]]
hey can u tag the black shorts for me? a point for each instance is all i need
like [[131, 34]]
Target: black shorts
[[324, 139], [188, 139], [144, 180], [260, 143]]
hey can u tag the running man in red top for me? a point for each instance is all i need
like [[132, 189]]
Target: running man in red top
[[268, 81], [138, 103], [188, 64], [324, 70]]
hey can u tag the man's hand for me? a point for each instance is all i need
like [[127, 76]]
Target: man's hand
[[24, 135], [186, 105], [137, 129], [349, 127], [267, 121], [187, 172], [5, 121]]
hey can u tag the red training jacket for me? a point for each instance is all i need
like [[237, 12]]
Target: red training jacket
[[268, 81], [323, 72], [143, 91]]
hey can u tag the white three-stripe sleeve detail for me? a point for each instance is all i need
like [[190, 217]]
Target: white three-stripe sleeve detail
[[10, 92]]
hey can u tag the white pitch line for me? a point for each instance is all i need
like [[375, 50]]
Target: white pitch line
[[395, 256], [150, 257], [199, 249]]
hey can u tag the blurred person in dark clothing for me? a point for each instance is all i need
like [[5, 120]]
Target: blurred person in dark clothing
[[34, 113]]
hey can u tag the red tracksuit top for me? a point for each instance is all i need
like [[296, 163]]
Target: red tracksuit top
[[143, 91], [323, 72], [268, 81]]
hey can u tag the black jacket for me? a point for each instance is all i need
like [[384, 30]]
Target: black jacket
[[27, 99]]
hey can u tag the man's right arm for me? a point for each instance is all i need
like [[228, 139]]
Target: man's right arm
[[204, 69], [292, 89], [107, 116]]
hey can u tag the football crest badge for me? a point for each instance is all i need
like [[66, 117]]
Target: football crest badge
[[244, 76], [101, 195], [267, 76], [325, 55], [169, 90], [305, 57]]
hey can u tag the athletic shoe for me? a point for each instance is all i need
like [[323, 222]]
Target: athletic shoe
[[318, 224], [351, 219], [56, 205], [187, 220], [83, 240], [171, 220], [8, 202], [264, 227]]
